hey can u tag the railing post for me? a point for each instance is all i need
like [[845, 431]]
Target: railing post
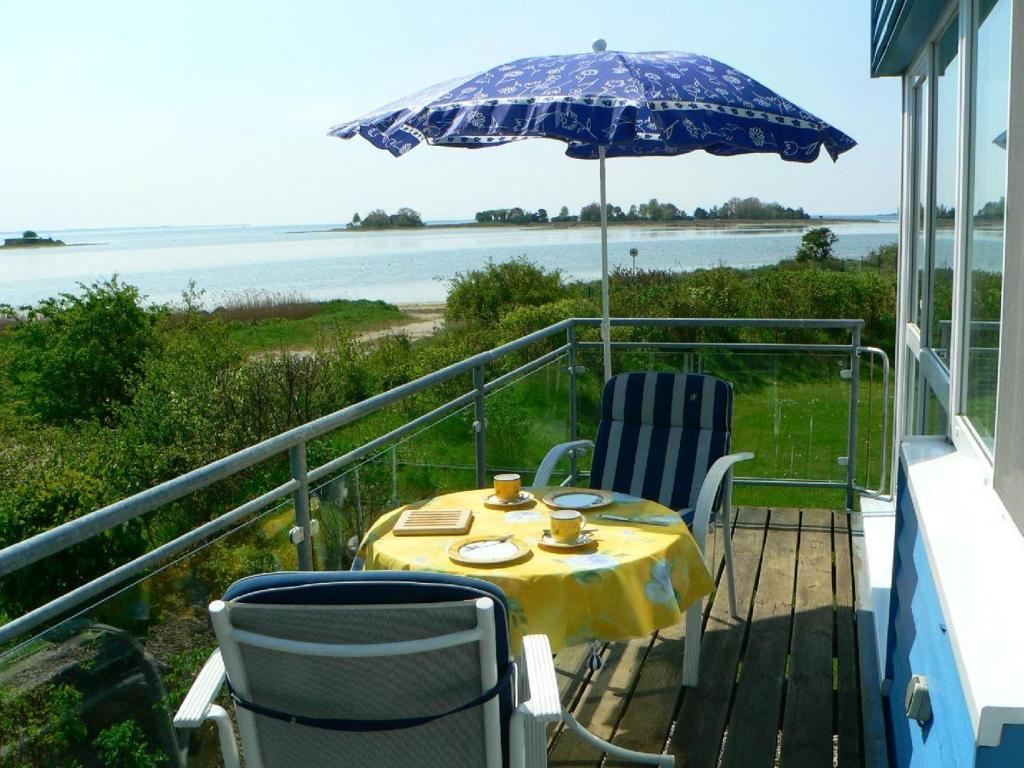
[[574, 404], [359, 501], [394, 476], [302, 533], [851, 447], [480, 427]]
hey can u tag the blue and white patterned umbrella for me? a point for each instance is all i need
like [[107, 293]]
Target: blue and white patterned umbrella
[[605, 104]]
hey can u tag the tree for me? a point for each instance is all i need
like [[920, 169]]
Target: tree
[[994, 210], [816, 245], [563, 213], [406, 217], [700, 213], [542, 216], [376, 219], [591, 212], [28, 234], [355, 220], [883, 258]]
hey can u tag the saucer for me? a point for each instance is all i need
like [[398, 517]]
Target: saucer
[[585, 538], [524, 497]]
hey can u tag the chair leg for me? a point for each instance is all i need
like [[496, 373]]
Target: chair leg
[[614, 751], [226, 735], [691, 644], [730, 575]]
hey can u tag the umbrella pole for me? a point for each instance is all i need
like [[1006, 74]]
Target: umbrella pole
[[606, 331]]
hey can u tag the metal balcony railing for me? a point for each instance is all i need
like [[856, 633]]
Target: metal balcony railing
[[562, 345]]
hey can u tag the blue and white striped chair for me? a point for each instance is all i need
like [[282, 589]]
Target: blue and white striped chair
[[666, 437]]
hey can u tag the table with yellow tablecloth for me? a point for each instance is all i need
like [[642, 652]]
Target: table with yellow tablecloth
[[636, 579]]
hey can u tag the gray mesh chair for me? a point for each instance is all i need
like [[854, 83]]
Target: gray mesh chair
[[381, 668]]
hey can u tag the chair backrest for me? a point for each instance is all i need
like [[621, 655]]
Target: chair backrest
[[659, 435], [371, 647]]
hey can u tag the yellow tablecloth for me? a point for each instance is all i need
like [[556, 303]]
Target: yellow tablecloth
[[638, 579]]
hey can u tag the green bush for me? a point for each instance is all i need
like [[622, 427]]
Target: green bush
[[482, 296], [73, 357], [41, 726], [124, 746], [49, 476]]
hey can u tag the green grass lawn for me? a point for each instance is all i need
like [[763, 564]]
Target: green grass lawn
[[358, 316], [790, 410]]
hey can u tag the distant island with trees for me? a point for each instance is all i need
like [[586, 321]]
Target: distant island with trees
[[30, 239], [735, 210], [405, 218]]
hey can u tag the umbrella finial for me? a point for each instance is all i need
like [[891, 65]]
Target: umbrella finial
[[599, 45]]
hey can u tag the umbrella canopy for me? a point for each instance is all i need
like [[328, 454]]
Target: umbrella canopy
[[605, 104]]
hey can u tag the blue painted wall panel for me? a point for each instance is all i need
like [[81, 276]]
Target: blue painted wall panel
[[1009, 753], [920, 644]]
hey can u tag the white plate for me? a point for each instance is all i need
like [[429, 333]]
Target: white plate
[[578, 498], [487, 550], [584, 539]]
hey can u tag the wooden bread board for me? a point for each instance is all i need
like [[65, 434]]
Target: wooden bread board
[[433, 522]]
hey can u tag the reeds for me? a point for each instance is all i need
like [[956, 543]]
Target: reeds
[[254, 305]]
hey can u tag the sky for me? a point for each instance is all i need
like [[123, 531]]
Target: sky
[[138, 114]]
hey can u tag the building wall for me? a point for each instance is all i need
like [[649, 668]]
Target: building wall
[[898, 30], [1009, 457], [955, 611]]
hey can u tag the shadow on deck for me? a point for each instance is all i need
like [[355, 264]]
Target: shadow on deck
[[779, 686]]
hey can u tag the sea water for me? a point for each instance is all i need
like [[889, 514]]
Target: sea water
[[397, 266]]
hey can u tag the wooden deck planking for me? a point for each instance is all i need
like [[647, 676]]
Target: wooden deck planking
[[753, 727], [602, 703], [767, 691], [697, 738], [649, 679], [848, 696], [658, 688], [807, 724]]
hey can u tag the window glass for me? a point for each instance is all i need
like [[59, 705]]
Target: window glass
[[947, 65], [984, 258], [912, 419], [919, 256], [935, 416]]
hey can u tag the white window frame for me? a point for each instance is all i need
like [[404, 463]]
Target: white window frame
[[1009, 460], [913, 340], [963, 433]]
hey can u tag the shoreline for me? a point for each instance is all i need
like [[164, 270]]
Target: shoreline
[[557, 225], [43, 246]]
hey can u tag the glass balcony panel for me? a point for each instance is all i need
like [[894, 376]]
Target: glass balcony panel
[[106, 681], [988, 201]]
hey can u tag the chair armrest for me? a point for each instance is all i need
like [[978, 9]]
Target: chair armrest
[[195, 709], [547, 466], [720, 471], [544, 703]]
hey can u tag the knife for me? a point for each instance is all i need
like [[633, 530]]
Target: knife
[[622, 519]]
